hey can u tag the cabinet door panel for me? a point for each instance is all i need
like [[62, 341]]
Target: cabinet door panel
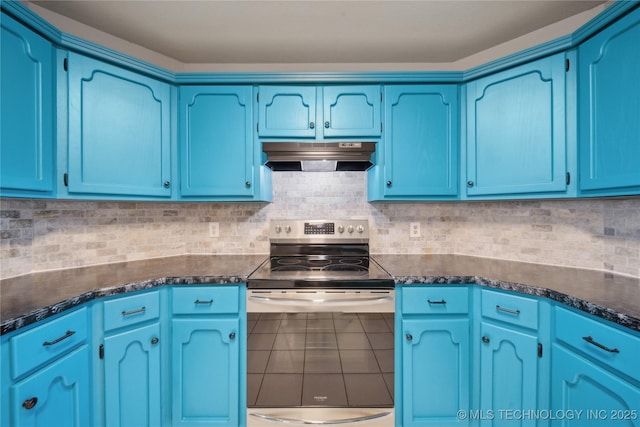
[[351, 111], [27, 112], [609, 108], [287, 111], [508, 372], [60, 393], [516, 140], [435, 371], [119, 131], [132, 378], [206, 372], [421, 141], [581, 387], [216, 141]]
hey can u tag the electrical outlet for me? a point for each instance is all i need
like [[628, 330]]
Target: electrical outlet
[[214, 229], [414, 229]]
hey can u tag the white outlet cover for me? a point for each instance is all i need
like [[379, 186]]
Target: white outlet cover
[[214, 229], [414, 229]]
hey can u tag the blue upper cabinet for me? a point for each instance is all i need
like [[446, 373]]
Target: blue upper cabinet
[[609, 110], [119, 132], [27, 136], [287, 111], [516, 132], [311, 112], [351, 111], [418, 156], [216, 142]]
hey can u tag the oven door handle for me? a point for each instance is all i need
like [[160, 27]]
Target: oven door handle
[[336, 301], [284, 420]]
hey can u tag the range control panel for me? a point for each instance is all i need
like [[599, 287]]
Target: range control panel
[[324, 230]]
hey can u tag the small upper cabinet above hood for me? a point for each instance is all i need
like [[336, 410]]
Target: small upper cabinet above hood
[[319, 156]]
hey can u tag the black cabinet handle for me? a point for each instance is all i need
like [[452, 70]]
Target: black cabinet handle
[[232, 335], [198, 302], [602, 346], [326, 125], [30, 403], [247, 183], [129, 313], [436, 302], [470, 183], [389, 183], [57, 340], [409, 337], [166, 184], [485, 339], [508, 310], [312, 125], [154, 340]]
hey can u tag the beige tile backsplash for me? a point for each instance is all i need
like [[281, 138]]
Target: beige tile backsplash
[[40, 235]]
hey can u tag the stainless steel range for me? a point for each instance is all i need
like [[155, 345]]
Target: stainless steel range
[[321, 328]]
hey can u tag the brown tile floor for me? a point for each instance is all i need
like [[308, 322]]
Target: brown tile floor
[[320, 359]]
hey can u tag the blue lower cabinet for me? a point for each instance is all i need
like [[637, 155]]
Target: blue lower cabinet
[[206, 372], [589, 394], [132, 377], [508, 375], [435, 378], [56, 396]]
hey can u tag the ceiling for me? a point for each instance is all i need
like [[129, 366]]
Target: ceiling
[[321, 31]]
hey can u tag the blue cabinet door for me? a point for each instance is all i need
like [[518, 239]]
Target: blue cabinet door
[[57, 395], [206, 372], [351, 111], [132, 378], [27, 112], [287, 111], [516, 131], [508, 374], [592, 394], [419, 152], [609, 110], [435, 371], [216, 141], [119, 131]]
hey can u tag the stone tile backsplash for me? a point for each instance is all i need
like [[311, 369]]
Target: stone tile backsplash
[[40, 235]]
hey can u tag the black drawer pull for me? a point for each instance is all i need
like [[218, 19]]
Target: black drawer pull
[[436, 302], [129, 313], [198, 302], [597, 344], [57, 340], [508, 310], [409, 337], [30, 403], [232, 335]]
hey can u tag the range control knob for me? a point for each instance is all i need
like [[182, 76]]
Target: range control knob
[[360, 229], [287, 228], [278, 229], [350, 229], [341, 229]]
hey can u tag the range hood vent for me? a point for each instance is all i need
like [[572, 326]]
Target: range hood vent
[[319, 156]]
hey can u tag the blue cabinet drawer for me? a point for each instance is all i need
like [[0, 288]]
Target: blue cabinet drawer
[[45, 343], [435, 300], [508, 308], [129, 310], [610, 346], [206, 300]]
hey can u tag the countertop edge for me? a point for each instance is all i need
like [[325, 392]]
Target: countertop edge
[[606, 313]]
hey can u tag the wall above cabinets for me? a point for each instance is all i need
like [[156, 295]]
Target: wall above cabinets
[[125, 129]]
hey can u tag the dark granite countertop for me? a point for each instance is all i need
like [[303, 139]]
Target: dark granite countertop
[[30, 298], [610, 296]]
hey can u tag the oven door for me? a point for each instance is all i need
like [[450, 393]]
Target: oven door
[[320, 357]]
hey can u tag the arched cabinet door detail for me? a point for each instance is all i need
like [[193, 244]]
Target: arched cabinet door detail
[[27, 112], [119, 131], [287, 111], [352, 111], [516, 131], [216, 142]]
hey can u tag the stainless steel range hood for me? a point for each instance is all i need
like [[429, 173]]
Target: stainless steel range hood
[[319, 156]]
